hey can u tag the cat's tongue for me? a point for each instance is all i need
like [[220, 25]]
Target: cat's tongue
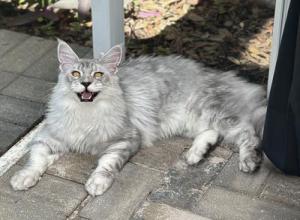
[[86, 96]]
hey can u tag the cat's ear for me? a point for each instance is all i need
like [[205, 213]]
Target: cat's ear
[[66, 56], [112, 58]]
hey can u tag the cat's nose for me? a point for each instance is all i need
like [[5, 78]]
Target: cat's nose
[[86, 84]]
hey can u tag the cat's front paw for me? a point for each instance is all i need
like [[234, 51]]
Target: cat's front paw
[[98, 183], [192, 158], [24, 179], [251, 162]]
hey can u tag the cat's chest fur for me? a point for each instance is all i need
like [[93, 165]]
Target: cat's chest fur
[[86, 127]]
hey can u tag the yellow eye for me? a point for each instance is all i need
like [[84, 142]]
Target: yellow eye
[[98, 75], [76, 74]]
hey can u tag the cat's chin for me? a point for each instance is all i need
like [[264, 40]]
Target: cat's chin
[[87, 96]]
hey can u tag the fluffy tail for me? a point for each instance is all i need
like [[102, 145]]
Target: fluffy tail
[[258, 120]]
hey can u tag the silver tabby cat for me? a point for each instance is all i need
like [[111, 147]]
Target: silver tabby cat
[[99, 109]]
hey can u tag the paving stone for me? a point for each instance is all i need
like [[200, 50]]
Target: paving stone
[[9, 39], [52, 198], [47, 67], [25, 54], [29, 88], [71, 166], [130, 188], [156, 211], [162, 155], [20, 112], [232, 178], [219, 203], [76, 167], [6, 78], [78, 218], [283, 188], [8, 134], [183, 185]]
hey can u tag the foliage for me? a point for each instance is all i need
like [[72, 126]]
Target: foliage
[[226, 34], [38, 3]]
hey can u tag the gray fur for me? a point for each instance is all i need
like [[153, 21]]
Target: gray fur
[[147, 99]]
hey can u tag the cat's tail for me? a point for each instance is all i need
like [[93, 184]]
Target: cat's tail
[[258, 120]]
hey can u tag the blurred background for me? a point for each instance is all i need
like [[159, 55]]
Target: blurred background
[[225, 34]]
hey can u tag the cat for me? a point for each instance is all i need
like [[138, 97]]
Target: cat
[[103, 108]]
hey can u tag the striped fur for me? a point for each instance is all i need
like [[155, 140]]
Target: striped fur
[[147, 99]]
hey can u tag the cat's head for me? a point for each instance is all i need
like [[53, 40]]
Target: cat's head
[[87, 78]]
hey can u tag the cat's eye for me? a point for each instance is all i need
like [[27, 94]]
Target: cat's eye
[[76, 74], [98, 75]]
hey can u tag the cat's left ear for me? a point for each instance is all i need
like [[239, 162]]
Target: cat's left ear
[[112, 58], [66, 56]]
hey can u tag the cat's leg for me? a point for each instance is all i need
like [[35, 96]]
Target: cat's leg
[[201, 145], [249, 149], [40, 158], [110, 163]]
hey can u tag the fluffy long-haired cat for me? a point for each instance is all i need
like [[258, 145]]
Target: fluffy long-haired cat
[[99, 109]]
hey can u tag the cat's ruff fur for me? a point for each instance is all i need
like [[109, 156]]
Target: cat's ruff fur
[[148, 98]]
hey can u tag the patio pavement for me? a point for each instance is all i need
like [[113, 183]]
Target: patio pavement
[[154, 185]]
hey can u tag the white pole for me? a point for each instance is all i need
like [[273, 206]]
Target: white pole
[[281, 11], [108, 25]]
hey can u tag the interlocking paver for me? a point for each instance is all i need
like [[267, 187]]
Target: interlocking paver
[[232, 178], [47, 67], [21, 57], [220, 203], [157, 211], [162, 155], [183, 185], [6, 78], [20, 112], [71, 166], [283, 188], [52, 198], [130, 188], [8, 134], [78, 218], [76, 167], [9, 39], [30, 89]]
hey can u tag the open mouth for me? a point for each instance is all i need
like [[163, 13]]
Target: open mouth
[[87, 96]]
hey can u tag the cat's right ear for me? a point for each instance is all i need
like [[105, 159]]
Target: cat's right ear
[[66, 56]]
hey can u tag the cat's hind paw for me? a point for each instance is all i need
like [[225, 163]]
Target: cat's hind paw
[[251, 162], [24, 179], [98, 184]]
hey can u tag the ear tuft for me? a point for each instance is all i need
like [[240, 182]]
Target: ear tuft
[[65, 54], [112, 58]]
